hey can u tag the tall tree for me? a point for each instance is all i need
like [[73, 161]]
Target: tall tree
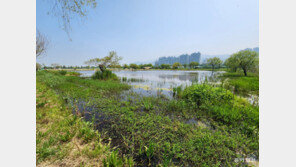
[[176, 65], [232, 62], [111, 60], [214, 62], [193, 64], [125, 66], [165, 66], [134, 66], [247, 60]]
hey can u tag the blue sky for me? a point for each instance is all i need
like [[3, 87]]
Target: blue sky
[[144, 30]]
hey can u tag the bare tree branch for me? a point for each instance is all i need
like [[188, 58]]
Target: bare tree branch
[[41, 44], [67, 10]]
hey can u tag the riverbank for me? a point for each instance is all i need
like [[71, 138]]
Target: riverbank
[[195, 129], [64, 139]]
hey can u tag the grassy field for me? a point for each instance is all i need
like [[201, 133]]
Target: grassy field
[[204, 126], [240, 84]]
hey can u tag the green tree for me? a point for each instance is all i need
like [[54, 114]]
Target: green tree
[[176, 65], [232, 63], [125, 66], [214, 62], [165, 66], [247, 60], [142, 66], [193, 64], [112, 60], [149, 65], [134, 66]]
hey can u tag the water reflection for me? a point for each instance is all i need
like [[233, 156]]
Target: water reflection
[[161, 82]]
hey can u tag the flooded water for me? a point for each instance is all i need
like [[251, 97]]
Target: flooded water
[[160, 82]]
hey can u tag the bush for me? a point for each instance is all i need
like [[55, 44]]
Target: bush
[[62, 72], [206, 94], [105, 75]]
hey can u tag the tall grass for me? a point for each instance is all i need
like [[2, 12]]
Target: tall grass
[[240, 84]]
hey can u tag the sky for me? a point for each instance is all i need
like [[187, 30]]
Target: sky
[[144, 30]]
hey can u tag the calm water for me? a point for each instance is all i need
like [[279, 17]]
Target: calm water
[[156, 82]]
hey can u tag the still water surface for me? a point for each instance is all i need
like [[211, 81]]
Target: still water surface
[[155, 82]]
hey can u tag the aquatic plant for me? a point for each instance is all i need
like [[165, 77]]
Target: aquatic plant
[[200, 94], [105, 75]]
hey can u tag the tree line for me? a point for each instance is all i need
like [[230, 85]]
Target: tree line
[[245, 60]]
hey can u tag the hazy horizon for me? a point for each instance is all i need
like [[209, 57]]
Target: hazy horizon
[[141, 31]]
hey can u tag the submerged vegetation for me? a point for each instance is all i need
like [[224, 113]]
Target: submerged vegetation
[[204, 125]]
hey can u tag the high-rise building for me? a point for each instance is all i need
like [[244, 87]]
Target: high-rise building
[[182, 59]]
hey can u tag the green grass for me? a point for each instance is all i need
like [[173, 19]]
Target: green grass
[[240, 84], [63, 138], [151, 131]]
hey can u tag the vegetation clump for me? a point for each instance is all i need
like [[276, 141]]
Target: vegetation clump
[[200, 94], [105, 75]]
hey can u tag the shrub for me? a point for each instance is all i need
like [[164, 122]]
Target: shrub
[[206, 94], [62, 72], [105, 75]]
